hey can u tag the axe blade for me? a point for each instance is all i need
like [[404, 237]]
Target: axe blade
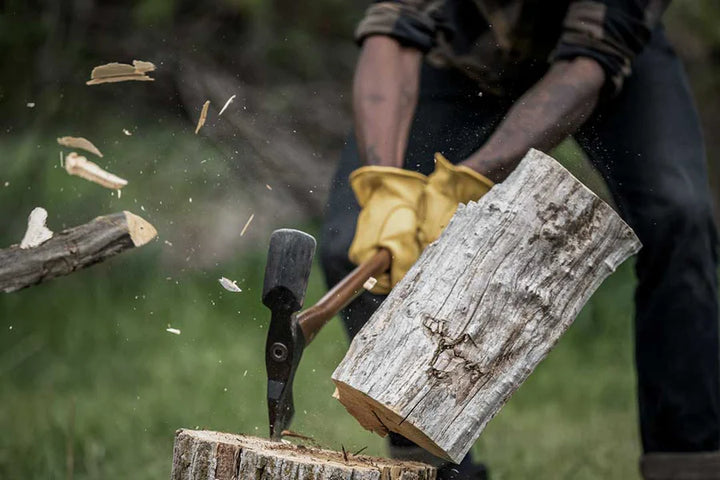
[[287, 271]]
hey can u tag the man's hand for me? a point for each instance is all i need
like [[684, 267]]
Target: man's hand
[[388, 219], [447, 186]]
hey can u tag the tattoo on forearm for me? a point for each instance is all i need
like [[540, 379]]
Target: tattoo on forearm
[[375, 98], [371, 156], [406, 97]]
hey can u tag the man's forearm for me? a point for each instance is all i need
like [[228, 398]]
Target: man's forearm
[[385, 93], [542, 118]]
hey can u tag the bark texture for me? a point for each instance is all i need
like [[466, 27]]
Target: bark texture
[[72, 249], [481, 308], [206, 455]]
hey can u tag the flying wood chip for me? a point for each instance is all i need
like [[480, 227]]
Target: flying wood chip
[[120, 72], [79, 142], [229, 101], [370, 283], [37, 233], [203, 116], [229, 285], [247, 224], [82, 167]]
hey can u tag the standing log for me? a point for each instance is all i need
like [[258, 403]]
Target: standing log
[[202, 455], [481, 308], [72, 249]]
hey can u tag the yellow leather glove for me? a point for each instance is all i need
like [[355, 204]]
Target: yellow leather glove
[[448, 186], [388, 197]]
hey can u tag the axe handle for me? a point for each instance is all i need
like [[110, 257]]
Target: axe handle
[[315, 317]]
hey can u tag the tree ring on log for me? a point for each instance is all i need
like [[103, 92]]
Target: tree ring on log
[[380, 419], [140, 230]]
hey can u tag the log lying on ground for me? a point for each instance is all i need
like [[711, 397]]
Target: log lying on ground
[[481, 308], [202, 455], [72, 249]]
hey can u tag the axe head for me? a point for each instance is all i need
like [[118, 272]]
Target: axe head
[[286, 277]]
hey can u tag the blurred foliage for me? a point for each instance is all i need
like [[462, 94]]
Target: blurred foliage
[[92, 386], [178, 182], [703, 16], [49, 46], [694, 29], [154, 12]]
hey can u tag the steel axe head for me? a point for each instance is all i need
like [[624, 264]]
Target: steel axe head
[[287, 270]]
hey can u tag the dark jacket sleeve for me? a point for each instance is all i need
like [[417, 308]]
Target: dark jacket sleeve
[[411, 22], [612, 32]]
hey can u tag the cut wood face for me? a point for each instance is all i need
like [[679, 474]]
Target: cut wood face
[[223, 456], [140, 230], [481, 308], [381, 419]]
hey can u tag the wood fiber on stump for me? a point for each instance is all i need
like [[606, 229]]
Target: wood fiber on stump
[[481, 308], [207, 455]]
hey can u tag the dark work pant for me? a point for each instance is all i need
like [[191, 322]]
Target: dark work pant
[[647, 144]]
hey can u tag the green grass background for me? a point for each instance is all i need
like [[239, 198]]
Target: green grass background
[[92, 386], [88, 371]]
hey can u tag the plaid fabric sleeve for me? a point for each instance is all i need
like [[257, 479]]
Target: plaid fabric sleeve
[[411, 22], [612, 32]]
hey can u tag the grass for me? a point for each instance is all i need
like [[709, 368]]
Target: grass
[[93, 386], [88, 372], [88, 368]]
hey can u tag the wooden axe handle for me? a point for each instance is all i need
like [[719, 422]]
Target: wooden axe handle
[[315, 317]]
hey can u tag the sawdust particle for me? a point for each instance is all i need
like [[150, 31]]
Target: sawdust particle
[[370, 283], [247, 224], [229, 101]]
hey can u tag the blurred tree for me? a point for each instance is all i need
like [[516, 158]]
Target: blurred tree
[[694, 27], [291, 64]]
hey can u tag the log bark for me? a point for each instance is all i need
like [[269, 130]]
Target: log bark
[[72, 250], [481, 308], [202, 455]]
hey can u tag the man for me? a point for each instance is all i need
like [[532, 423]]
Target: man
[[481, 82]]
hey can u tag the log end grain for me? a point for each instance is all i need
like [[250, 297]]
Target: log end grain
[[379, 418], [202, 454], [141, 231]]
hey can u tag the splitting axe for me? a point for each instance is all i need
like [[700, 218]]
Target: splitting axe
[[287, 270]]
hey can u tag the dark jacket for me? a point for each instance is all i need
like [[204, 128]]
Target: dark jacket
[[506, 45]]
